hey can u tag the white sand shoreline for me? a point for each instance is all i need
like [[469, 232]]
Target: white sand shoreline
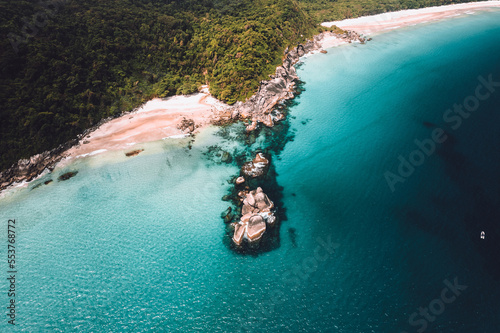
[[158, 119], [369, 25]]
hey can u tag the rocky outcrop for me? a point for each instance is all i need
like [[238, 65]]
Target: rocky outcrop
[[29, 169], [260, 107], [187, 125], [256, 167], [350, 36], [257, 216], [257, 211]]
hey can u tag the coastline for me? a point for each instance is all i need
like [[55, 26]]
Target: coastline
[[373, 24], [179, 116], [173, 117]]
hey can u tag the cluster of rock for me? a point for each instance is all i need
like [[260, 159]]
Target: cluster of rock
[[29, 169], [257, 216], [257, 210], [260, 107], [351, 36], [187, 125]]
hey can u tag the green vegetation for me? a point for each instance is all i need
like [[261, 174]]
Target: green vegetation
[[67, 64], [333, 10], [91, 59]]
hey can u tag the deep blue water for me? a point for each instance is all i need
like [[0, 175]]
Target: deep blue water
[[138, 245]]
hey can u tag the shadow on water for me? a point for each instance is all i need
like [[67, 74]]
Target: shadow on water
[[427, 220], [484, 215], [481, 211], [293, 236], [271, 142]]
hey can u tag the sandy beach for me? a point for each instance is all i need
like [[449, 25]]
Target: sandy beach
[[155, 120], [369, 25]]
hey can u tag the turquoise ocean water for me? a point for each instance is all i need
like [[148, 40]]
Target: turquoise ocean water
[[138, 245]]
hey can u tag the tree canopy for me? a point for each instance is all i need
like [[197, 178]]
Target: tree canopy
[[67, 64]]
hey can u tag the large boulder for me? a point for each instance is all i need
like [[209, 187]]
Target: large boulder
[[246, 209], [226, 157], [239, 232], [249, 199], [256, 228]]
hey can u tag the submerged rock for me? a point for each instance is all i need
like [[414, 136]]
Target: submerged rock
[[227, 215], [226, 157], [67, 175], [134, 152]]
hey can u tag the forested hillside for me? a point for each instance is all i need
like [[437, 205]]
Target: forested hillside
[[67, 64]]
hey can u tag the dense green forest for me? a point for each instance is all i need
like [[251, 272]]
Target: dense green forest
[[90, 59], [67, 64]]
